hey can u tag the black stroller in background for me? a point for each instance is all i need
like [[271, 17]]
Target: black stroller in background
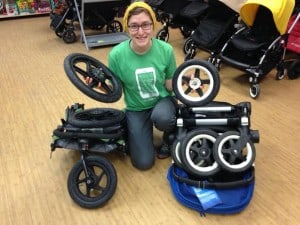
[[213, 30], [182, 14], [96, 16], [259, 46]]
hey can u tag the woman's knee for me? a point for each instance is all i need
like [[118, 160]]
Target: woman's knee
[[164, 115], [142, 163]]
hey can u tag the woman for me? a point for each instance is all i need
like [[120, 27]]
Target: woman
[[145, 67]]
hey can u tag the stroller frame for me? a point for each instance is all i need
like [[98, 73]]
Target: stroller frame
[[262, 43], [178, 15]]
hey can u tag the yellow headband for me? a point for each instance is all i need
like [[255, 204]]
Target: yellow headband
[[135, 5]]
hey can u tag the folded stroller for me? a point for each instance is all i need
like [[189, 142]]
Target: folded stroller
[[182, 14], [213, 30], [257, 48]]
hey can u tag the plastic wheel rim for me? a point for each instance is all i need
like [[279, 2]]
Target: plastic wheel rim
[[195, 83], [237, 166], [190, 161]]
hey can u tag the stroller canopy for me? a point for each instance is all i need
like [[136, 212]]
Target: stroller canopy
[[281, 10]]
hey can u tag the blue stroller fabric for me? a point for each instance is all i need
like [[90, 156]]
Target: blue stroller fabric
[[212, 195]]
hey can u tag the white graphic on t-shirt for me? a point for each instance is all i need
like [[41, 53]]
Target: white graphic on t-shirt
[[146, 78]]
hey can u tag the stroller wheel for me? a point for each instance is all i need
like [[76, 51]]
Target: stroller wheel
[[96, 117], [105, 87], [254, 90], [196, 82], [230, 155], [294, 70], [163, 35], [188, 45], [69, 36], [93, 187], [185, 31], [280, 74], [175, 153], [114, 27], [196, 152]]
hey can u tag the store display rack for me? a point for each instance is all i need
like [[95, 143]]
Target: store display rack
[[10, 9]]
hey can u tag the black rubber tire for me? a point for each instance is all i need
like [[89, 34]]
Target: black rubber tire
[[96, 117], [254, 91], [79, 66], [163, 35], [229, 157], [187, 45], [196, 152], [202, 89], [69, 36], [185, 31], [293, 71], [97, 189], [175, 153]]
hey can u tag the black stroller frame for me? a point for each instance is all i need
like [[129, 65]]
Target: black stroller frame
[[182, 14], [210, 136], [256, 49], [94, 16], [215, 28]]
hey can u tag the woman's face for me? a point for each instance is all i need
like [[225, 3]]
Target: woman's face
[[140, 30]]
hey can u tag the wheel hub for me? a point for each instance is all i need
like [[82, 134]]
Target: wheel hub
[[204, 152], [195, 83]]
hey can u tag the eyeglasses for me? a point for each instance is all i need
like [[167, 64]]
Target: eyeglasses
[[136, 27]]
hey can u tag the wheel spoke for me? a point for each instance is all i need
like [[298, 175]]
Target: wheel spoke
[[106, 87], [226, 151], [205, 81], [188, 90], [197, 73], [186, 79], [81, 71], [231, 159], [200, 92]]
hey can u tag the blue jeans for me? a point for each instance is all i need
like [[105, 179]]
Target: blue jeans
[[140, 130]]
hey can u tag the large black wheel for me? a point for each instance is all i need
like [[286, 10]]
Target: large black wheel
[[96, 117], [105, 86], [293, 71], [196, 82], [94, 187], [196, 152], [69, 36], [230, 155], [163, 35]]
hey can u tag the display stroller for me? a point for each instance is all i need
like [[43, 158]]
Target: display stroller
[[96, 16], [258, 47], [209, 136], [182, 14], [214, 29]]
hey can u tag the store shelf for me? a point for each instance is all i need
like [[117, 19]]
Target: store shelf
[[3, 17], [13, 9]]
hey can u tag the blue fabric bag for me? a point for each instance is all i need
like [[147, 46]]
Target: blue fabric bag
[[222, 194]]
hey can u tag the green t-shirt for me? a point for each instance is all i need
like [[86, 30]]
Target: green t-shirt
[[143, 76]]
